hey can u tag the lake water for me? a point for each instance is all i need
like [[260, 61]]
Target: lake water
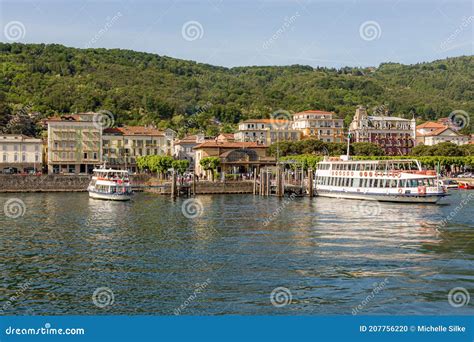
[[226, 254]]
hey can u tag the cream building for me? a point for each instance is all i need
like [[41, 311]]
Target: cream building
[[122, 145], [20, 153], [319, 124], [74, 143], [267, 131], [432, 133]]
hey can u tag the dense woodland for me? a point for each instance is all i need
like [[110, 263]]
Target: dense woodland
[[144, 88]]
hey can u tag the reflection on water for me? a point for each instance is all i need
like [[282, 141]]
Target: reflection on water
[[329, 253]]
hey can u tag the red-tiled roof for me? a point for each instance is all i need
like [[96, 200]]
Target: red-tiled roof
[[265, 121], [134, 130], [315, 112], [430, 124], [233, 144], [439, 131]]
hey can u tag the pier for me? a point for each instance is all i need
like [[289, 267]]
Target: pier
[[288, 178]]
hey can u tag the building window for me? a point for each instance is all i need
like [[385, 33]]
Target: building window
[[95, 155], [36, 158], [23, 157], [85, 155], [4, 157], [16, 157]]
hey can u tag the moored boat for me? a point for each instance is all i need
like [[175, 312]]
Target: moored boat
[[465, 186], [110, 184], [379, 180]]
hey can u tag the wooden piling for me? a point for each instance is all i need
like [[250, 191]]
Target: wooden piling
[[254, 189], [194, 185], [310, 181], [173, 185]]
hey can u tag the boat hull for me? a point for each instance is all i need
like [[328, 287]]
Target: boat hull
[[109, 197], [381, 197]]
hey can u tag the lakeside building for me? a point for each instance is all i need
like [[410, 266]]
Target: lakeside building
[[122, 145], [184, 148], [235, 157], [431, 133], [319, 124], [267, 131], [20, 153], [74, 143], [396, 136]]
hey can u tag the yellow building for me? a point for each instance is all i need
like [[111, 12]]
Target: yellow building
[[122, 145], [319, 124], [74, 143]]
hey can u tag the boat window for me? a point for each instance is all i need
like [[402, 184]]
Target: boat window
[[356, 182], [376, 183], [347, 181], [403, 183]]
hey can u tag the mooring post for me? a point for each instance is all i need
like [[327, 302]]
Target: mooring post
[[310, 180], [194, 184], [254, 182], [267, 183], [173, 185]]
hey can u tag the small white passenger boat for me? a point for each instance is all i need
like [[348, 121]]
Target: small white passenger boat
[[110, 184], [378, 180]]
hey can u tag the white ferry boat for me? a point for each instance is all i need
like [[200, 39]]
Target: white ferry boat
[[378, 180], [109, 184]]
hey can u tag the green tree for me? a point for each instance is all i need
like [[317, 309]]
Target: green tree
[[180, 165], [210, 164]]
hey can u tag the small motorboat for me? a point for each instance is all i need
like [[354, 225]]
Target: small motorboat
[[465, 186]]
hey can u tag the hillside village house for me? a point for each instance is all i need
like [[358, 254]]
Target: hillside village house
[[235, 157], [74, 144], [395, 135], [432, 133], [267, 131], [122, 145], [20, 153], [319, 124]]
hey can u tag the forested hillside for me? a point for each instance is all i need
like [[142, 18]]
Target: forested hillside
[[144, 88]]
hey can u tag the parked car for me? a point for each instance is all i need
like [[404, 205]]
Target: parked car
[[466, 175]]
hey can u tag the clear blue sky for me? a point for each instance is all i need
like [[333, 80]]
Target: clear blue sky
[[234, 33]]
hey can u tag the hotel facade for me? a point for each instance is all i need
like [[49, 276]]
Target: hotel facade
[[396, 136], [20, 153], [320, 125], [122, 145], [267, 131], [74, 144]]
